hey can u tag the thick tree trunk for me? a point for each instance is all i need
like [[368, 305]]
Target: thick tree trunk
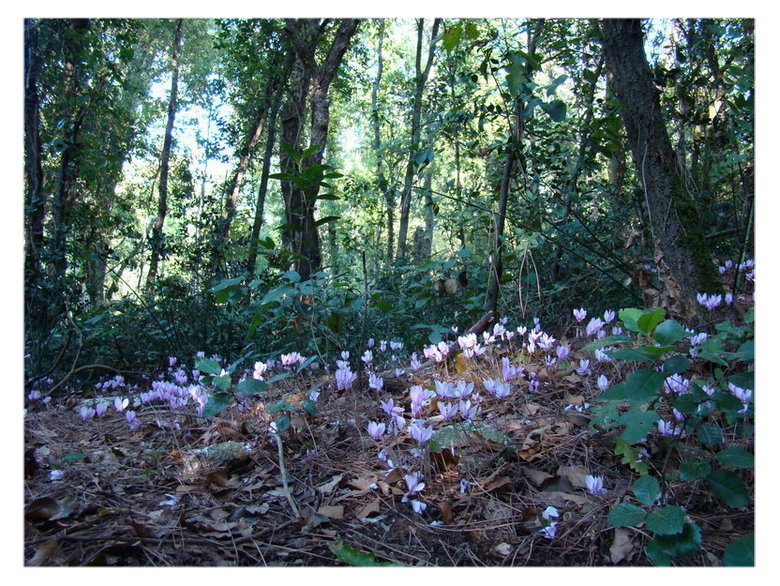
[[301, 232], [165, 155], [681, 252], [420, 81]]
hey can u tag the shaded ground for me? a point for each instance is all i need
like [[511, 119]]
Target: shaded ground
[[146, 497]]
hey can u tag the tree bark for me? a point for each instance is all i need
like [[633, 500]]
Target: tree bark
[[681, 251], [301, 232], [165, 155], [421, 79]]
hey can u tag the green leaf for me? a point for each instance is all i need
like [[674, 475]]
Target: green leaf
[[326, 219], [630, 317], [735, 458], [452, 37], [668, 332], [709, 434], [649, 319], [729, 488], [556, 110], [631, 456], [222, 382], [216, 404], [694, 469], [676, 364], [663, 548], [647, 489], [250, 386], [208, 366], [625, 515], [614, 393], [635, 354], [666, 520], [744, 380], [638, 423], [741, 552], [355, 557], [283, 423], [226, 284], [644, 385]]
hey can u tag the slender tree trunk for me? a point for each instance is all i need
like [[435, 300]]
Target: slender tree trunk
[[420, 81], [35, 200], [513, 152], [263, 189], [382, 182], [681, 251], [162, 202]]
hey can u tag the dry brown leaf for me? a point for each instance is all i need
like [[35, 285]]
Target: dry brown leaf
[[621, 545], [496, 482], [575, 474], [537, 477], [332, 511], [328, 487], [363, 482], [446, 511], [43, 553], [369, 509]]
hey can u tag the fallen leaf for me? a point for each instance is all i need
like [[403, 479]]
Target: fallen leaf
[[328, 487], [363, 482], [332, 511], [43, 553], [503, 549], [496, 482], [446, 511], [369, 509], [530, 409], [575, 474], [537, 477], [621, 545]]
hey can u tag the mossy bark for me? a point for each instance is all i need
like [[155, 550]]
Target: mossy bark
[[681, 252]]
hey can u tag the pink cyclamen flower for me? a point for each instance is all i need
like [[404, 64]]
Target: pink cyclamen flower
[[376, 430], [609, 315], [580, 314], [562, 352], [86, 413], [375, 382], [447, 410], [602, 382], [120, 405], [595, 484], [420, 433], [584, 367], [260, 369], [594, 326]]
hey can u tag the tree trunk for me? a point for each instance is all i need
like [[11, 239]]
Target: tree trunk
[[681, 251], [35, 200], [420, 81], [162, 202], [301, 232], [263, 189]]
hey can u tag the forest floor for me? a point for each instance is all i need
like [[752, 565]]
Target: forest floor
[[103, 493]]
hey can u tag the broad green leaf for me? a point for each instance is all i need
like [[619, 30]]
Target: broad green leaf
[[649, 320], [629, 317], [709, 434], [644, 385], [452, 37], [222, 382], [250, 386], [729, 488], [687, 404], [646, 489], [631, 456], [741, 552], [606, 341], [555, 109], [638, 423], [614, 393], [668, 332], [626, 515], [283, 422], [676, 364], [694, 469], [744, 380], [277, 294], [635, 354], [208, 366], [226, 284], [355, 557], [666, 520], [326, 219], [663, 548], [216, 404], [735, 458]]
